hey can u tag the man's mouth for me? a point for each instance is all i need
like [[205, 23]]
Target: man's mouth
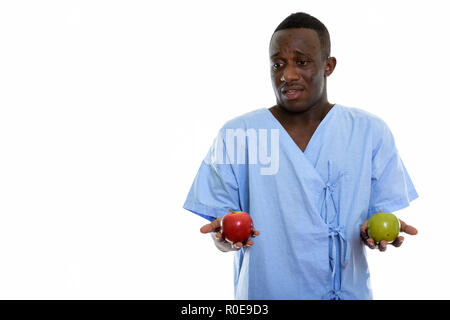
[[292, 94]]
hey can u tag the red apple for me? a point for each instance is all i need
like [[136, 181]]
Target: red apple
[[237, 226]]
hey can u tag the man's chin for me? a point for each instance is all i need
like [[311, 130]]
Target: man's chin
[[294, 106]]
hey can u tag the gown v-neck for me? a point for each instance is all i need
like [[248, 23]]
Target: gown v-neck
[[316, 132]]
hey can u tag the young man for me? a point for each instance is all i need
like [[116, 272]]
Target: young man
[[331, 167]]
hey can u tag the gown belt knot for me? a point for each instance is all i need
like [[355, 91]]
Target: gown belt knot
[[338, 232]]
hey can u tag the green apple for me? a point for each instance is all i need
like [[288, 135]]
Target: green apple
[[383, 226]]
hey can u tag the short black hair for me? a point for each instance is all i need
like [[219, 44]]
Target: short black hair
[[304, 20]]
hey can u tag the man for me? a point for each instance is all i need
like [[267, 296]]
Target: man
[[336, 166]]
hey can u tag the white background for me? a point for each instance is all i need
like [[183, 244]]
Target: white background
[[108, 107]]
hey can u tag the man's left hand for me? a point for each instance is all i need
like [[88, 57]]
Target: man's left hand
[[382, 245]]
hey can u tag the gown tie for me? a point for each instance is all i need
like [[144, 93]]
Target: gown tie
[[335, 232]]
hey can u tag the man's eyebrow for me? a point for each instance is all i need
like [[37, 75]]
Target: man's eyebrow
[[295, 51], [301, 53], [274, 55]]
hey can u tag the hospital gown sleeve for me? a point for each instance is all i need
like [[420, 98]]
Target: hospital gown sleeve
[[391, 185], [215, 188]]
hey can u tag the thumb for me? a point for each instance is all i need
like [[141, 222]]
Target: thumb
[[207, 228], [407, 229], [211, 227]]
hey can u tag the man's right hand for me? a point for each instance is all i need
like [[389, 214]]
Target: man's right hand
[[215, 230]]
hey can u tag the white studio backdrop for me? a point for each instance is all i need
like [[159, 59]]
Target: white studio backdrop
[[107, 109]]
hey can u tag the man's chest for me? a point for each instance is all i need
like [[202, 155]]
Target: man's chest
[[301, 135]]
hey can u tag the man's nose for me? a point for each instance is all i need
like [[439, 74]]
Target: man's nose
[[290, 74]]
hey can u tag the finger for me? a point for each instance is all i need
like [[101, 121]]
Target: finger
[[407, 229], [219, 236], [370, 243], [238, 245], [249, 243], [364, 226], [382, 246], [363, 231], [398, 242], [364, 236], [255, 233]]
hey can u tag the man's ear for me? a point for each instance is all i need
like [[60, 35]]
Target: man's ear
[[330, 64]]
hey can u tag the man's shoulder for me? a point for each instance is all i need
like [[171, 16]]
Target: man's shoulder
[[246, 120], [363, 116]]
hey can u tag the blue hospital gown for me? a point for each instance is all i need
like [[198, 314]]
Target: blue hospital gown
[[309, 206]]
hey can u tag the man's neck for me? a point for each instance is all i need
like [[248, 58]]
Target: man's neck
[[311, 116]]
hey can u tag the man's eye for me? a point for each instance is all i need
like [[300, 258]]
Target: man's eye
[[276, 66], [303, 62]]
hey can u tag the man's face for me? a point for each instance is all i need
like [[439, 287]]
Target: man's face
[[298, 69]]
